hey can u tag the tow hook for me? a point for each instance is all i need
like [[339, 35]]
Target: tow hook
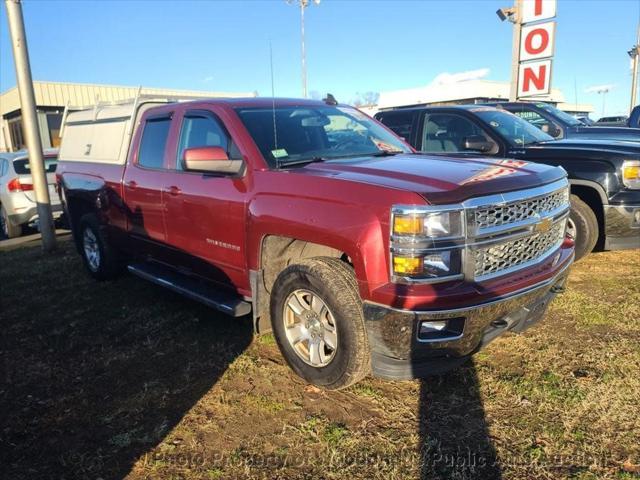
[[558, 289]]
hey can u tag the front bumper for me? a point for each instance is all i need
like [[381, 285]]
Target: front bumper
[[622, 227], [398, 352]]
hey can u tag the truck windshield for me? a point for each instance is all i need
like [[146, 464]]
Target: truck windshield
[[290, 135], [516, 131], [559, 114]]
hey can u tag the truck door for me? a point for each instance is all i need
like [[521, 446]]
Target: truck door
[[205, 213], [144, 178]]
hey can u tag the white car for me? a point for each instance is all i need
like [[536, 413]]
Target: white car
[[17, 198]]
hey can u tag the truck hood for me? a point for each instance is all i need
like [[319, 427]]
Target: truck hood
[[609, 146], [606, 133], [439, 179]]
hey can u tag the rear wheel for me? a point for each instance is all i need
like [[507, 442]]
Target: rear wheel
[[582, 225], [99, 257], [318, 323], [8, 229]]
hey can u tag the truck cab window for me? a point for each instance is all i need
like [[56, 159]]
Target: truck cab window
[[203, 131], [153, 143]]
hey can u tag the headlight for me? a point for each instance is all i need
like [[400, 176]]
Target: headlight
[[430, 224], [631, 174], [427, 243], [428, 265]]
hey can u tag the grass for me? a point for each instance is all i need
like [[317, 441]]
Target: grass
[[123, 379]]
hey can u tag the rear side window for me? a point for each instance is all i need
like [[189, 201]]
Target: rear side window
[[400, 122], [154, 141], [21, 166]]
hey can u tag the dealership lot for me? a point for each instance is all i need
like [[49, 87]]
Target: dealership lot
[[123, 378]]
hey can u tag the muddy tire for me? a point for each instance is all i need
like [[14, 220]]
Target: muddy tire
[[100, 258], [317, 320], [7, 229], [583, 226]]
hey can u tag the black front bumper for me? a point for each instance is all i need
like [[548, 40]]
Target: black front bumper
[[622, 227], [398, 352]]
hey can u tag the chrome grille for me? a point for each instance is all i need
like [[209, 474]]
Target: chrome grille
[[503, 215], [510, 254]]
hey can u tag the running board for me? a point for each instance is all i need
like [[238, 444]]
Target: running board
[[224, 302]]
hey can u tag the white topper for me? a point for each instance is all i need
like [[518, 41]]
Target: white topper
[[534, 78], [537, 41], [537, 10]]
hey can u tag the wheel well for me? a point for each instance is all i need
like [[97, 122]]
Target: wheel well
[[77, 208], [278, 252], [592, 198]]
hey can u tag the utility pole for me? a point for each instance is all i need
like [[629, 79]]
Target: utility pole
[[303, 5], [634, 53], [515, 51], [603, 91], [514, 15], [30, 122]]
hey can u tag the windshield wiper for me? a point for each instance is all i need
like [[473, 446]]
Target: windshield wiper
[[386, 153], [301, 162]]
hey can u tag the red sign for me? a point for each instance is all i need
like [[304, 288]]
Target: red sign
[[537, 41], [534, 78], [537, 10]]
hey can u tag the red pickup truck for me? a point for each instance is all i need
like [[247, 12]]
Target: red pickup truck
[[357, 252]]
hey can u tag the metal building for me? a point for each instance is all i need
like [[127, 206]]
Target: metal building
[[53, 97]]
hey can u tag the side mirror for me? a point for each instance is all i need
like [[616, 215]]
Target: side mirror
[[210, 159], [477, 143]]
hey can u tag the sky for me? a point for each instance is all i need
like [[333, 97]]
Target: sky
[[353, 47]]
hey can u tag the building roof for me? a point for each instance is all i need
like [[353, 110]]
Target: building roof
[[59, 94]]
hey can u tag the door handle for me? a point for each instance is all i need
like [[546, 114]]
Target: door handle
[[132, 184], [173, 190]]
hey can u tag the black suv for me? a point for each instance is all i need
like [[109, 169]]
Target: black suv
[[560, 124], [604, 175]]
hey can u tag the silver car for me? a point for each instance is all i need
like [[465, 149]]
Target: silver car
[[17, 198]]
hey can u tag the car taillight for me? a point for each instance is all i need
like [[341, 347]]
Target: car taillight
[[15, 186]]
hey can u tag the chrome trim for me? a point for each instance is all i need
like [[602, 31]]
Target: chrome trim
[[472, 238], [455, 312]]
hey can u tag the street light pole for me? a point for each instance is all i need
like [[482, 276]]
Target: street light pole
[[634, 53], [30, 123], [303, 4], [603, 92]]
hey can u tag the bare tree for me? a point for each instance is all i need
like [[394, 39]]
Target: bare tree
[[366, 99]]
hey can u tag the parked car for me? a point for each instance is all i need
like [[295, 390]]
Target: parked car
[[17, 199], [356, 251], [560, 124], [616, 121], [634, 118], [604, 175]]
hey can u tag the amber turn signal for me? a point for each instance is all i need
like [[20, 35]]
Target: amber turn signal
[[408, 265], [408, 225]]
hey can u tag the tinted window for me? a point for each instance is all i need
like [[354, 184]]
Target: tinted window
[[444, 132], [154, 141], [535, 119], [201, 131], [21, 166], [400, 122]]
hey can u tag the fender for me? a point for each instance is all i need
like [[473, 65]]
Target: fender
[[596, 186]]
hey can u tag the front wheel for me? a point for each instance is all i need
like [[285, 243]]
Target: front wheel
[[582, 225], [317, 321]]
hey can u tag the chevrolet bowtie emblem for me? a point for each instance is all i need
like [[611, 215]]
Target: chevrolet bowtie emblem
[[543, 226]]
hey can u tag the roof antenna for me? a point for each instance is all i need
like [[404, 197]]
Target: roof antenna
[[273, 107], [330, 100]]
